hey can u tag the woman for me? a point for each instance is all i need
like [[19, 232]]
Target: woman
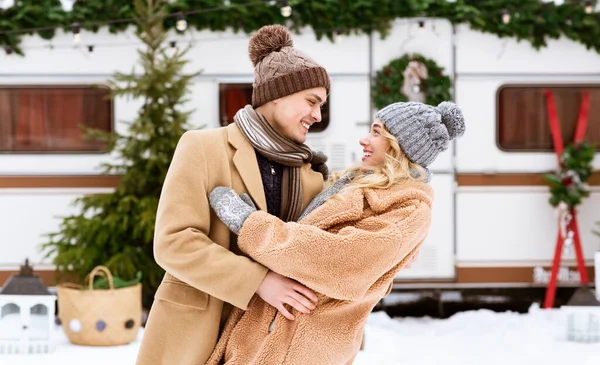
[[348, 245]]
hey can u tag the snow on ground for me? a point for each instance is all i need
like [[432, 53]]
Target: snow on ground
[[478, 337]]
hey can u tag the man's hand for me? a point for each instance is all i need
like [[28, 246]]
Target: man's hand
[[278, 290]]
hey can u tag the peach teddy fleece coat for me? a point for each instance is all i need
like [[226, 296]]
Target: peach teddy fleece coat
[[348, 251]]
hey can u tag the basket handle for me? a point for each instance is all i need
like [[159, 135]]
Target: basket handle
[[101, 270], [70, 285]]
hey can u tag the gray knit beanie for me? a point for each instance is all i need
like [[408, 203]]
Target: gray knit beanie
[[423, 131]]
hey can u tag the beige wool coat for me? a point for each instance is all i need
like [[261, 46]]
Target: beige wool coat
[[206, 274], [348, 250]]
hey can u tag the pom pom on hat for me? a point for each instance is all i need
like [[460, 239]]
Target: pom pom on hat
[[452, 118], [268, 39]]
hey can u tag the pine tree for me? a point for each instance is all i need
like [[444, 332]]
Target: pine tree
[[116, 229]]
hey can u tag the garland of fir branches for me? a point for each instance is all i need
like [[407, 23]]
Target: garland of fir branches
[[532, 20], [389, 80]]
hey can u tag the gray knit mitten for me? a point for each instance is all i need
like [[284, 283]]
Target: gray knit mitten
[[231, 208]]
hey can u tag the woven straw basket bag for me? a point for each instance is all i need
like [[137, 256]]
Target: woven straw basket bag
[[100, 317]]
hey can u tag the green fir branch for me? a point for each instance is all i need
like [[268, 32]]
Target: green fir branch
[[568, 184]]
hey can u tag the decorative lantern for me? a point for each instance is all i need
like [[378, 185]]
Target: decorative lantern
[[583, 316], [26, 314]]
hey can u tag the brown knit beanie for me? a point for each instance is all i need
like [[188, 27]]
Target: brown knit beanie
[[279, 68]]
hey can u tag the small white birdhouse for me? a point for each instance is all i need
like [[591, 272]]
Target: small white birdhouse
[[26, 314], [583, 316]]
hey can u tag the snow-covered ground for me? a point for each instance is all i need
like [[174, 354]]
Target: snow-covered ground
[[478, 337], [468, 338]]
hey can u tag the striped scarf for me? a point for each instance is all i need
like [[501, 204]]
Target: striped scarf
[[263, 137]]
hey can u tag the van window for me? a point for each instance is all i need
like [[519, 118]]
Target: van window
[[522, 117], [49, 119]]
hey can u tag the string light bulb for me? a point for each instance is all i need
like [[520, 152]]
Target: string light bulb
[[90, 48], [67, 5], [588, 6], [9, 52], [5, 4], [505, 16], [181, 24], [76, 28], [421, 24], [286, 9]]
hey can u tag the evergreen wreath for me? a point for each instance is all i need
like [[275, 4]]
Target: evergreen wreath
[[387, 87], [568, 184]]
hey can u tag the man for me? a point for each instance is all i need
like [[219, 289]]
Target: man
[[261, 154]]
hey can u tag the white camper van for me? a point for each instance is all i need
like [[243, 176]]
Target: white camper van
[[492, 220]]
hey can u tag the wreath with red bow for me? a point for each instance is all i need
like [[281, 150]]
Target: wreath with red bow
[[388, 82]]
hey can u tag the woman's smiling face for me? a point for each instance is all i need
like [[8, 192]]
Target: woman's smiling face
[[374, 145]]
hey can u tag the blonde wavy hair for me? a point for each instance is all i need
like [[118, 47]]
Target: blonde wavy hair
[[396, 169]]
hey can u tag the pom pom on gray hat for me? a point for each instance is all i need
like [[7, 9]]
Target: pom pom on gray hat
[[452, 118]]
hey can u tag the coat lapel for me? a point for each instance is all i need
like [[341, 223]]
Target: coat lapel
[[245, 162], [351, 205], [381, 200], [346, 208]]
